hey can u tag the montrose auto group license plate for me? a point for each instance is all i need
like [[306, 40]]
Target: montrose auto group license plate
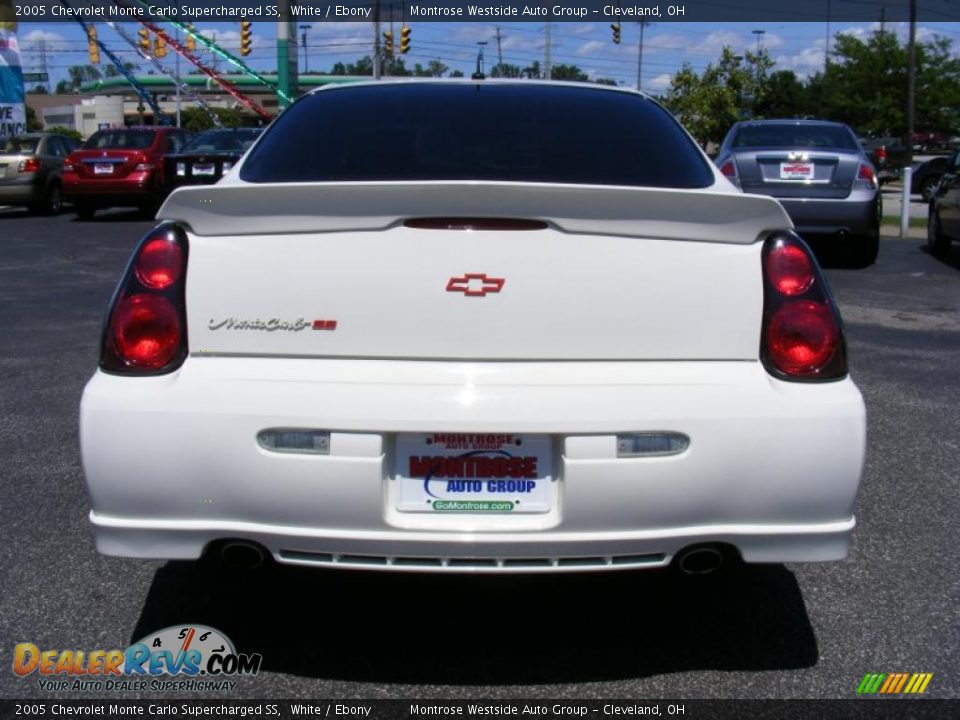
[[796, 171], [474, 473]]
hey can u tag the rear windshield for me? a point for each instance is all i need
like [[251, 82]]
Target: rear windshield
[[482, 131], [795, 136], [222, 141], [120, 140], [19, 146]]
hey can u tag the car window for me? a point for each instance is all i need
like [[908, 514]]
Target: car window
[[476, 131], [222, 141], [120, 140], [56, 147], [19, 146], [955, 162], [828, 137]]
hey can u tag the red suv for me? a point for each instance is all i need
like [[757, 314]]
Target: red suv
[[120, 167]]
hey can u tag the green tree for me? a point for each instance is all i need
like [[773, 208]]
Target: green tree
[[435, 68], [782, 96], [506, 70], [33, 122], [69, 132], [865, 85], [64, 88], [568, 72], [80, 74], [195, 119]]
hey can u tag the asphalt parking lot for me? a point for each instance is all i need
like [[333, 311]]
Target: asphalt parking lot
[[777, 631]]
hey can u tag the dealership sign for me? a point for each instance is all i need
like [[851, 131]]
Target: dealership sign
[[13, 120]]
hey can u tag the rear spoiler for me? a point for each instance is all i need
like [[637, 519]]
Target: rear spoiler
[[266, 209]]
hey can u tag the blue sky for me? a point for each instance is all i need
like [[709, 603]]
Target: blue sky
[[796, 46]]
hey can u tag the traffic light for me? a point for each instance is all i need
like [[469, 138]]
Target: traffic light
[[405, 39], [160, 47], [144, 42], [93, 49], [245, 37], [388, 42], [615, 27]]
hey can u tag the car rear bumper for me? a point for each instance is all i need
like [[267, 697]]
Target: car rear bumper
[[19, 194], [131, 190], [856, 214], [172, 462]]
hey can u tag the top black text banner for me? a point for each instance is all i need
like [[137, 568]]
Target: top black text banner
[[823, 11]]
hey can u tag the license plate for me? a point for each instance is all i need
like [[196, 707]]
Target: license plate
[[204, 169], [796, 171], [103, 169], [479, 473]]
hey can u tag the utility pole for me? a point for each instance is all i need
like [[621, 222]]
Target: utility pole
[[286, 54], [883, 19], [642, 25], [499, 47], [911, 79], [826, 47], [303, 43], [177, 75], [759, 34], [548, 54], [377, 69], [42, 43]]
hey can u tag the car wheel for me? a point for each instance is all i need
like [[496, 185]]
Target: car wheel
[[84, 211], [54, 204], [937, 243], [864, 250], [927, 187]]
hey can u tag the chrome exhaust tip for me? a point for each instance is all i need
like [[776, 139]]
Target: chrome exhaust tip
[[240, 555], [700, 560]]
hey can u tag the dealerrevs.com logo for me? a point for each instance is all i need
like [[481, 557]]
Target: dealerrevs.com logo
[[181, 657]]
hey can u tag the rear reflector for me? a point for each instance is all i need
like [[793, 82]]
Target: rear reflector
[[651, 444], [294, 440], [729, 169], [459, 223]]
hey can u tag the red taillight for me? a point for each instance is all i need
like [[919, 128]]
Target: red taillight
[[866, 176], [789, 269], [159, 263], [729, 169], [145, 331], [881, 153], [29, 165], [802, 338], [68, 166]]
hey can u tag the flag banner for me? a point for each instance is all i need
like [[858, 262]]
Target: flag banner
[[13, 119]]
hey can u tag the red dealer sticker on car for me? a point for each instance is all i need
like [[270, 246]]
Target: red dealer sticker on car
[[474, 472]]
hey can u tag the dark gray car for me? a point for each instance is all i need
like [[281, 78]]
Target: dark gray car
[[943, 221], [819, 173], [30, 167]]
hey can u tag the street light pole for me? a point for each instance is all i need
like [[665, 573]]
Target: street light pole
[[911, 80]]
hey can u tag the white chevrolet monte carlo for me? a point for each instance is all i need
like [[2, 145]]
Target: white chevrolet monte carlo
[[473, 326]]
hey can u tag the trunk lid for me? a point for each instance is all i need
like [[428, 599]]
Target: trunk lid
[[333, 271], [788, 174], [106, 164]]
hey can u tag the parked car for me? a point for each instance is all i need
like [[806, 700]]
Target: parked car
[[439, 326], [818, 172], [30, 170], [943, 218], [208, 156], [926, 176], [888, 155], [121, 167]]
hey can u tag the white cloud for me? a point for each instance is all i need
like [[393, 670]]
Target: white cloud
[[590, 48], [661, 83], [716, 41], [804, 63], [32, 41]]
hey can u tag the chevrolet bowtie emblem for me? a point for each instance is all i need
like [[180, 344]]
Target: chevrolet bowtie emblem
[[475, 284]]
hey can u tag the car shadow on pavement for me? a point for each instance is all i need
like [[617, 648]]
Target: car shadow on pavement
[[479, 630]]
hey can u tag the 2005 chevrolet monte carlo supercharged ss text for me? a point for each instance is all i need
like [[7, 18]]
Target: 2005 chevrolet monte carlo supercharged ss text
[[473, 326]]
